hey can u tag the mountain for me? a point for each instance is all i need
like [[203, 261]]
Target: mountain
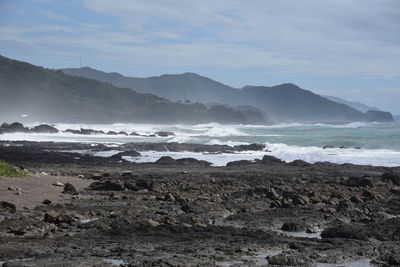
[[381, 116], [53, 96], [282, 103], [356, 105]]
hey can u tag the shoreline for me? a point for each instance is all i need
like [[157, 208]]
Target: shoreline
[[187, 213]]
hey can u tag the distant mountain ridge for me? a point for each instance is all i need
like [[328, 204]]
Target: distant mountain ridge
[[53, 96], [282, 103], [354, 104]]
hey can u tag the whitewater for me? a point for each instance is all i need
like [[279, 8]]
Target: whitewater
[[376, 144]]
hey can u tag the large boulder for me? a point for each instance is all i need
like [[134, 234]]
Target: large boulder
[[105, 186], [164, 134], [44, 128], [14, 127], [7, 207], [166, 160], [391, 176], [271, 160], [70, 189], [251, 147]]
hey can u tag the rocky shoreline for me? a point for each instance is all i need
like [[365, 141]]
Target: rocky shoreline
[[107, 212]]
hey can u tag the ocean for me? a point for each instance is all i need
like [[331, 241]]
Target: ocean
[[376, 144]]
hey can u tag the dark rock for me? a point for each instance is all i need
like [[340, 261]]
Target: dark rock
[[292, 227], [111, 133], [344, 205], [83, 131], [328, 146], [70, 189], [239, 163], [251, 147], [147, 184], [344, 231], [130, 153], [300, 200], [391, 176], [271, 159], [166, 160], [272, 194], [106, 186], [193, 162], [123, 133], [46, 202], [289, 260], [44, 128], [134, 134], [52, 216], [358, 182], [164, 134], [299, 163], [7, 207], [14, 127]]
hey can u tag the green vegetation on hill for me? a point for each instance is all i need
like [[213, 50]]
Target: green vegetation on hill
[[53, 96], [10, 170]]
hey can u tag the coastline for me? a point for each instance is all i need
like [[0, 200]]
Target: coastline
[[187, 213]]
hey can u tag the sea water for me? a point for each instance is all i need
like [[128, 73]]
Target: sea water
[[376, 144]]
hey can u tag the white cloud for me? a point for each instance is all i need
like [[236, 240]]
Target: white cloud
[[358, 37], [52, 15]]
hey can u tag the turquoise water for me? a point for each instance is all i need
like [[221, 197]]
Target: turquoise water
[[361, 143]]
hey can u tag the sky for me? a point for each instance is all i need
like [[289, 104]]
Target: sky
[[344, 48]]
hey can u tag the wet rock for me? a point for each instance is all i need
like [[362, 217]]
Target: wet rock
[[251, 147], [7, 207], [391, 176], [84, 131], [292, 227], [345, 231], [130, 153], [289, 260], [14, 127], [111, 133], [134, 134], [328, 146], [164, 134], [242, 162], [105, 186], [44, 128], [299, 163], [271, 159], [70, 189], [166, 160]]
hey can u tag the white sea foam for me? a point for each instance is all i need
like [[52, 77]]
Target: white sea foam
[[374, 157]]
